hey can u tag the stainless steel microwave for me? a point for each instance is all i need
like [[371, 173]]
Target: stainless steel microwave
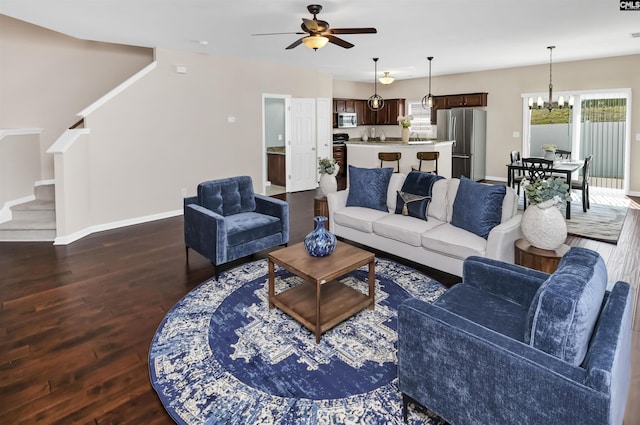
[[347, 119]]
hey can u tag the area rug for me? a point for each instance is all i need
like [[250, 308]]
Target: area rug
[[221, 356], [600, 222]]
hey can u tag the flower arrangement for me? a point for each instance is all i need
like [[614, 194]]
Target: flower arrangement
[[549, 147], [327, 165], [405, 121], [553, 189]]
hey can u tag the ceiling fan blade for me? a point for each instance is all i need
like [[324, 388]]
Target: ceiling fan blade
[[310, 24], [338, 41], [279, 33], [314, 25], [352, 31], [295, 44]]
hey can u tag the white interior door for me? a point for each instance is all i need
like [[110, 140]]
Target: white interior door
[[324, 124], [301, 145]]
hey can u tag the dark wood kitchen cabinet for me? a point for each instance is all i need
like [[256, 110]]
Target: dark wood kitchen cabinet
[[344, 105], [393, 108], [363, 112], [468, 100], [340, 155], [276, 171]]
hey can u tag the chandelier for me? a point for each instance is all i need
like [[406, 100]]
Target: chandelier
[[386, 78], [540, 103], [427, 101], [375, 102]]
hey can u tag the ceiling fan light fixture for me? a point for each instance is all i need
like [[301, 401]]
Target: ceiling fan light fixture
[[315, 42], [386, 78]]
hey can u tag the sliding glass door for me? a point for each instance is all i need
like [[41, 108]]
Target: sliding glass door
[[597, 125]]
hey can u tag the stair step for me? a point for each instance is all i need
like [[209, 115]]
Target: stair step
[[45, 192], [34, 220], [25, 223], [37, 205], [39, 235], [34, 216]]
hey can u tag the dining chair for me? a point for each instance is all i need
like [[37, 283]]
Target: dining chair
[[583, 183], [428, 156], [562, 154], [390, 156], [514, 157], [536, 169]]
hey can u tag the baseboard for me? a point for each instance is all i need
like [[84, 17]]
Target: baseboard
[[5, 212], [65, 240]]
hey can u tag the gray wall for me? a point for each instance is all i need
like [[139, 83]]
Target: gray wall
[[274, 121]]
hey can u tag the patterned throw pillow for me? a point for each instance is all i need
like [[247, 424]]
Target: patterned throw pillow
[[414, 197], [368, 187]]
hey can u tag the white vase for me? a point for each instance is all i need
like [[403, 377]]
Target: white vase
[[405, 135], [328, 183], [543, 225], [382, 136], [550, 155]]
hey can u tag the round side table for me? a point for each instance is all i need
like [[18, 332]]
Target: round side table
[[539, 259], [321, 207]]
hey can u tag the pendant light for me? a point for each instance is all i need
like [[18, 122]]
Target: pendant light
[[540, 103], [427, 101], [375, 102]]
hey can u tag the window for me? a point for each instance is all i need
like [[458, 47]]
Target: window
[[421, 123]]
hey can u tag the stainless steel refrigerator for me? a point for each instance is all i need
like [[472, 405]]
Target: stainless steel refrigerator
[[467, 127]]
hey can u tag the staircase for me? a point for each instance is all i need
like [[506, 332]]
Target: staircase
[[33, 220]]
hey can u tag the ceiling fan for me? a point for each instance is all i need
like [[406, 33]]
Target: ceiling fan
[[318, 34]]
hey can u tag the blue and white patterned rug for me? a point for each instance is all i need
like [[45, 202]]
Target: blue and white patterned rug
[[221, 356]]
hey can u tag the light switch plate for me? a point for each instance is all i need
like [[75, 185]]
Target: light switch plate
[[516, 134]]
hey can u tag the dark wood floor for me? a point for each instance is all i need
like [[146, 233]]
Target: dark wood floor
[[76, 321]]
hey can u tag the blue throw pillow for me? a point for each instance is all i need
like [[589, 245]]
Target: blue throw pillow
[[415, 195], [478, 207], [368, 187]]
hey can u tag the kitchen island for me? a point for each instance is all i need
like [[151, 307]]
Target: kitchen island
[[365, 154]]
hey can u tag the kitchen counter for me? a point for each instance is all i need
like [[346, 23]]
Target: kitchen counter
[[278, 150], [365, 154]]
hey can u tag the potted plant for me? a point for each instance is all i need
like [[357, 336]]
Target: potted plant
[[405, 123], [328, 170], [549, 151], [543, 224]]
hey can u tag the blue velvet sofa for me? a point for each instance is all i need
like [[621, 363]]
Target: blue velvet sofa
[[510, 345], [227, 220]]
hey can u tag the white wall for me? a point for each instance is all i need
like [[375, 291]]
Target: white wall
[[48, 77], [168, 132], [19, 168]]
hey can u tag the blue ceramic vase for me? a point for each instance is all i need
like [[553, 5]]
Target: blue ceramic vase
[[320, 242]]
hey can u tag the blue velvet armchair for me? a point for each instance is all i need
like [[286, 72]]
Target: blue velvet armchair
[[510, 345], [227, 220]]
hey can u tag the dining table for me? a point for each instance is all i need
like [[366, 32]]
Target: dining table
[[564, 167]]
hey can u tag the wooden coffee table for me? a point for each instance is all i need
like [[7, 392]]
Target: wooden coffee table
[[321, 302]]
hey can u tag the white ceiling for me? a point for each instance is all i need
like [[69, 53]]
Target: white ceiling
[[462, 35]]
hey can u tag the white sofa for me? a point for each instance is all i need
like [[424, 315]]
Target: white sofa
[[435, 242]]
